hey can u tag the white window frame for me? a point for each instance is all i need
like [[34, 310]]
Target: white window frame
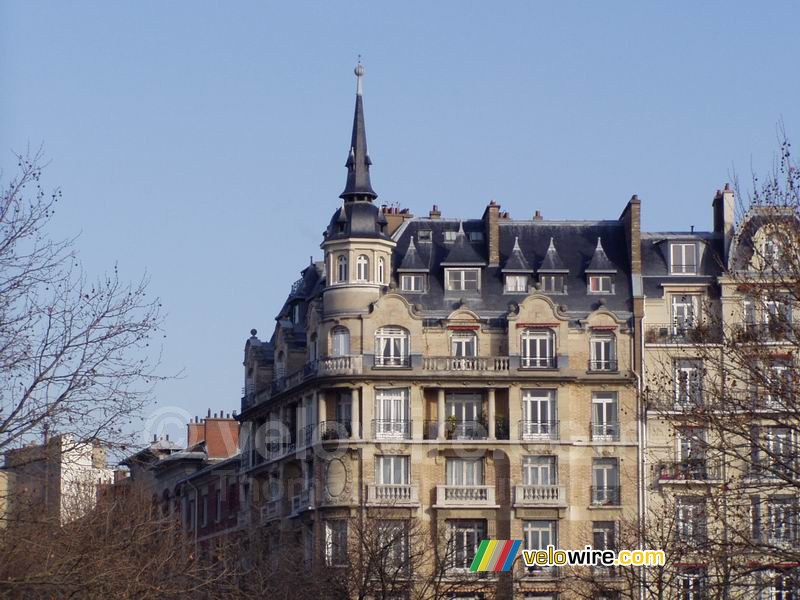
[[688, 382], [450, 235], [463, 344], [397, 341], [538, 413], [683, 251], [603, 351], [393, 538], [537, 348], [690, 519], [413, 282], [780, 525], [362, 268], [465, 471], [685, 312], [516, 283], [691, 584], [540, 470], [336, 542], [340, 341], [392, 412], [465, 538], [381, 270], [538, 535], [392, 469], [605, 416], [463, 280], [605, 480], [600, 284], [548, 281], [341, 268]]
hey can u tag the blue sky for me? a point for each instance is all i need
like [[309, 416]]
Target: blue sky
[[204, 142]]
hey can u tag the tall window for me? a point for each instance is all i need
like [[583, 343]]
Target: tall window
[[381, 270], [336, 543], [412, 283], [463, 280], [775, 452], [539, 470], [690, 520], [605, 421], [312, 347], [685, 312], [604, 535], [464, 539], [539, 414], [392, 469], [691, 453], [603, 353], [691, 584], [341, 268], [340, 341], [464, 471], [391, 347], [362, 268], [391, 413], [538, 349], [688, 383], [683, 259], [605, 481], [393, 539], [538, 536], [464, 344], [517, 283], [781, 521]]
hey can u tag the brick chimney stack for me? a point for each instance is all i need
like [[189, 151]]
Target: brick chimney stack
[[491, 224], [435, 213], [723, 208]]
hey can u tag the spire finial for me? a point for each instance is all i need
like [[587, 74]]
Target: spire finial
[[599, 245], [359, 71]]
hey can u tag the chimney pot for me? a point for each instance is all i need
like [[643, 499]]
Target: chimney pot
[[209, 414], [537, 216]]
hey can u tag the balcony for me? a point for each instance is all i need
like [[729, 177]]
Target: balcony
[[540, 495], [392, 495], [775, 331], [392, 362], [682, 333], [605, 432], [383, 429], [271, 511], [605, 495], [538, 362], [603, 366], [330, 365], [537, 431], [457, 430], [686, 403], [335, 430], [684, 471], [478, 364], [465, 496], [301, 502]]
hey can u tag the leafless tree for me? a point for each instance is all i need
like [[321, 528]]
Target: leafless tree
[[75, 354]]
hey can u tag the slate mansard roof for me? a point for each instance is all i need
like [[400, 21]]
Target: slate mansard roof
[[655, 248], [575, 243]]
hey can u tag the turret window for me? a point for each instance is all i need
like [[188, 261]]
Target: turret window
[[340, 341], [341, 268], [381, 270], [362, 268]]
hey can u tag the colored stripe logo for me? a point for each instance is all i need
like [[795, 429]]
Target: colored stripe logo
[[495, 555]]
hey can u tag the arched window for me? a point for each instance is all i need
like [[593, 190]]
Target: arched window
[[340, 341], [341, 268], [362, 268], [381, 270], [392, 347], [538, 349]]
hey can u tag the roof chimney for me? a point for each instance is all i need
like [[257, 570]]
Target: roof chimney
[[723, 209], [537, 216], [491, 225], [435, 213]]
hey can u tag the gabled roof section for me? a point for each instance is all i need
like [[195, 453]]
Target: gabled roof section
[[552, 262], [412, 261], [517, 263], [463, 253], [600, 262]]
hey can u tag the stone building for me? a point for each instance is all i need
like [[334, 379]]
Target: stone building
[[477, 376]]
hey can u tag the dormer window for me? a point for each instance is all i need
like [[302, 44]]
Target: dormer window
[[552, 284], [412, 283], [296, 313], [475, 236], [517, 283], [683, 258], [424, 235], [362, 268], [341, 268], [601, 284], [463, 280], [450, 236]]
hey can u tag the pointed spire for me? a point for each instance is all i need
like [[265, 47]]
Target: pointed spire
[[600, 262], [552, 261], [412, 261], [358, 186], [517, 263]]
